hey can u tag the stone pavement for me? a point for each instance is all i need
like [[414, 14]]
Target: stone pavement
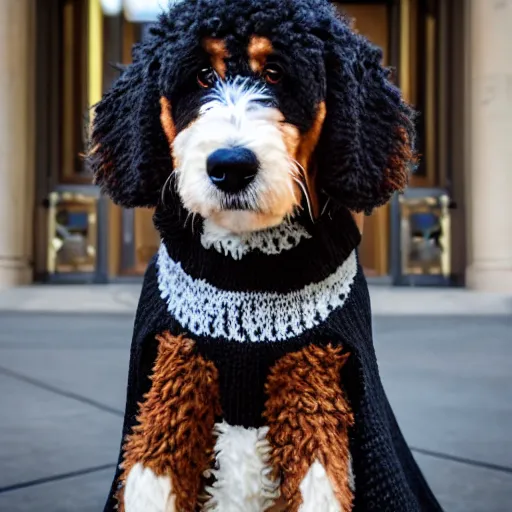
[[444, 358]]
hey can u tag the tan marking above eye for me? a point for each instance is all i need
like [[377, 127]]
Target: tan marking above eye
[[258, 51], [216, 48]]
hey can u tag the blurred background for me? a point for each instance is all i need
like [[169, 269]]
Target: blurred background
[[451, 59], [438, 258]]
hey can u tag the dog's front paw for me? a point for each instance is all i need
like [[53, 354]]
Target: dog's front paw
[[146, 492]]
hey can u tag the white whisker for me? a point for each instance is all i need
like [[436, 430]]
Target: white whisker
[[306, 195], [189, 214], [294, 169], [325, 206], [300, 166], [164, 188], [193, 221]]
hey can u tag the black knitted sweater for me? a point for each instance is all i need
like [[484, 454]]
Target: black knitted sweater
[[386, 475]]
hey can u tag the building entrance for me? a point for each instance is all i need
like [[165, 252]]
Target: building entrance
[[85, 237]]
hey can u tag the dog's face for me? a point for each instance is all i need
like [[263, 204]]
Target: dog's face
[[254, 111], [243, 130]]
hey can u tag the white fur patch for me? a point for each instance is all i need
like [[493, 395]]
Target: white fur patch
[[237, 114], [146, 492], [238, 96], [242, 472], [317, 491], [284, 237]]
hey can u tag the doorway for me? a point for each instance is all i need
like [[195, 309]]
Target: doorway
[[373, 20]]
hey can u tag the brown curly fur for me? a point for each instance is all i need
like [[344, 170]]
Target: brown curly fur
[[308, 418], [174, 435]]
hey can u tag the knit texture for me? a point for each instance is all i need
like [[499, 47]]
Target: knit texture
[[250, 316], [387, 477]]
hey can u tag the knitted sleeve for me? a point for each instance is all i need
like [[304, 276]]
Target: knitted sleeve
[[386, 474]]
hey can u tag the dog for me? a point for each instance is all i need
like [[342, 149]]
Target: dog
[[260, 131]]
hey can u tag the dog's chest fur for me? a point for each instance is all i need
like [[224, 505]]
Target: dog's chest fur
[[269, 297], [250, 396]]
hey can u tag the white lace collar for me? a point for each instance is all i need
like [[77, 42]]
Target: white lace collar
[[284, 237], [206, 310]]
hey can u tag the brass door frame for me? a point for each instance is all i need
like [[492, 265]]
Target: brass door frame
[[445, 171], [49, 179]]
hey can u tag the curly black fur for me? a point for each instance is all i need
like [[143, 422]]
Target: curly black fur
[[365, 148]]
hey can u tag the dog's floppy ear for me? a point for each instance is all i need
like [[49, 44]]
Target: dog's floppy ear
[[366, 148], [129, 153]]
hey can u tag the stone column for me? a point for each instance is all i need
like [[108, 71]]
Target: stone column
[[489, 141], [17, 92]]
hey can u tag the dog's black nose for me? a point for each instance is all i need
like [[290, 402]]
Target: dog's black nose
[[232, 169]]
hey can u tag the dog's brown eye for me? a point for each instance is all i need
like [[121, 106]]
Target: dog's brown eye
[[206, 78], [273, 73]]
